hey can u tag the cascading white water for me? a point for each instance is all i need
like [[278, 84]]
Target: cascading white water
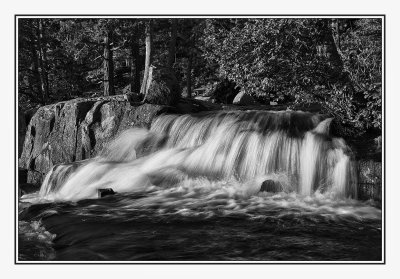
[[292, 147]]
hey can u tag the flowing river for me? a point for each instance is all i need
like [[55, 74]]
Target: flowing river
[[225, 186]]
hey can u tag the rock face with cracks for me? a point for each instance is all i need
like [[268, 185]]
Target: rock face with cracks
[[76, 130]]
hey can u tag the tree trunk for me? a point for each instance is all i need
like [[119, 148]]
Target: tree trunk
[[334, 40], [108, 66], [189, 77], [172, 43], [149, 41], [339, 58], [36, 83], [42, 63], [135, 65], [336, 34], [337, 55]]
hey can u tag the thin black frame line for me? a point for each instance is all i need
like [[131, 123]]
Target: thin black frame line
[[203, 15], [384, 136], [15, 140], [383, 262], [191, 263]]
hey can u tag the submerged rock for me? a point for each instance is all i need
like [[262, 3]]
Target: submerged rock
[[78, 129]]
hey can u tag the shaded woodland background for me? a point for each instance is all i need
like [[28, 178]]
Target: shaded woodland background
[[334, 63]]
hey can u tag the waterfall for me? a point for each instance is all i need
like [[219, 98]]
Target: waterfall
[[291, 148]]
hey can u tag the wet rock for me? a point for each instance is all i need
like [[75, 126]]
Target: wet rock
[[105, 192], [77, 129], [271, 186]]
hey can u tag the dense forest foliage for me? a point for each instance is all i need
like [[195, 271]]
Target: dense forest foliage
[[335, 63]]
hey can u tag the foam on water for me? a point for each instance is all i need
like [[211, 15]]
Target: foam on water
[[200, 196], [35, 241]]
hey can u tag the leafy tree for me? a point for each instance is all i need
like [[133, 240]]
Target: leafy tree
[[361, 53], [192, 65], [302, 60], [336, 63], [37, 60]]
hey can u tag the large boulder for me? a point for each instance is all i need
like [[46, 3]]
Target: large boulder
[[162, 87], [244, 99], [78, 129], [271, 186], [224, 92]]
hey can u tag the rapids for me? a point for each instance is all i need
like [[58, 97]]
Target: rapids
[[293, 149], [189, 189]]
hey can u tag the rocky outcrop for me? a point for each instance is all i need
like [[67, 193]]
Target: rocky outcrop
[[24, 116], [244, 99], [162, 87], [79, 129], [76, 130]]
